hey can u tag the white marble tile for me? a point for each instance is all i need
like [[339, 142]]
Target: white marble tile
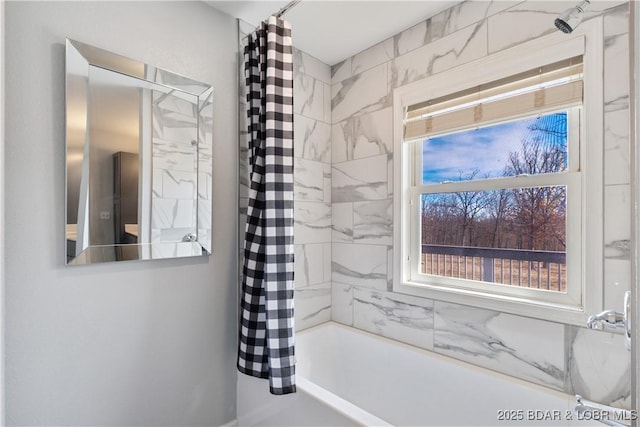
[[312, 222], [362, 136], [172, 213], [312, 139], [526, 21], [458, 48], [156, 235], [390, 268], [185, 214], [373, 56], [359, 180], [326, 261], [522, 347], [174, 104], [204, 214], [173, 155], [340, 149], [616, 21], [617, 280], [157, 182], [616, 60], [175, 127], [326, 173], [445, 23], [205, 185], [401, 317], [205, 159], [617, 221], [617, 161], [175, 234], [312, 306], [373, 222], [308, 99], [308, 180], [532, 19], [310, 65], [244, 28], [342, 303], [179, 185], [362, 93], [411, 38], [172, 118], [464, 14], [309, 265], [327, 102], [599, 367], [340, 71], [361, 265], [342, 222], [204, 237]]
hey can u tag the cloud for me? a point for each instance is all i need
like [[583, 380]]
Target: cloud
[[487, 149]]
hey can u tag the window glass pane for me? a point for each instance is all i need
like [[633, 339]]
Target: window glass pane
[[514, 236], [530, 146]]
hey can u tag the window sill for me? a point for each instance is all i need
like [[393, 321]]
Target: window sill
[[502, 303]]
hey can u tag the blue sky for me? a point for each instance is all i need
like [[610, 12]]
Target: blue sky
[[448, 157]]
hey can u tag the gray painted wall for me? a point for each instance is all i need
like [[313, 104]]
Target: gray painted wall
[[133, 343]]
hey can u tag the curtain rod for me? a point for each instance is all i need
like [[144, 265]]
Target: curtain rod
[[286, 8], [281, 12]]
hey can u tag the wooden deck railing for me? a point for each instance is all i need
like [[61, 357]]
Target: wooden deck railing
[[517, 267]]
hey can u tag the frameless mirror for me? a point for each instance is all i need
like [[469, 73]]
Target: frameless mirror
[[139, 160]]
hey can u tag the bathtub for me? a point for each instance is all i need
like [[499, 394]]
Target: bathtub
[[348, 377]]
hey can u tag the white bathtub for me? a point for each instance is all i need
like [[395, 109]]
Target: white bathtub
[[349, 377]]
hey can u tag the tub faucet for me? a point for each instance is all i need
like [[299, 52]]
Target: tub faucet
[[614, 319], [607, 317]]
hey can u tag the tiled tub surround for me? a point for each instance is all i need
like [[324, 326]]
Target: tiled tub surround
[[563, 357], [344, 195]]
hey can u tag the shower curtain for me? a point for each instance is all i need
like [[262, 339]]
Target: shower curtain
[[266, 345]]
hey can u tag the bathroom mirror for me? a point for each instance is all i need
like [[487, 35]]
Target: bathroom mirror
[[139, 160]]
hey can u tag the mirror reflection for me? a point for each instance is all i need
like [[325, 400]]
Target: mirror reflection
[[138, 160]]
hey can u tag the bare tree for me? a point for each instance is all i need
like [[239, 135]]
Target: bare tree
[[524, 218], [499, 206], [540, 211]]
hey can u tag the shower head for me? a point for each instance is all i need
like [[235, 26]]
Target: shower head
[[571, 18]]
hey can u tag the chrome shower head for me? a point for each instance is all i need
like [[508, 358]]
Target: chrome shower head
[[571, 18]]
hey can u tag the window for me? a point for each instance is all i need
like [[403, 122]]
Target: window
[[498, 181]]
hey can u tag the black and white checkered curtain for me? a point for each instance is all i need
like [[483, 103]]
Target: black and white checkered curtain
[[266, 346]]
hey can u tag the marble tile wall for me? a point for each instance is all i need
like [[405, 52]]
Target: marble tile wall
[[564, 357], [312, 182], [312, 185]]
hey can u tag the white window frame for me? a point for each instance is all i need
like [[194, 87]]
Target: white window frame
[[571, 179], [584, 228]]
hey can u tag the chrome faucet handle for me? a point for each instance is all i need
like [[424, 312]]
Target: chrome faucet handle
[[608, 317], [614, 319]]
